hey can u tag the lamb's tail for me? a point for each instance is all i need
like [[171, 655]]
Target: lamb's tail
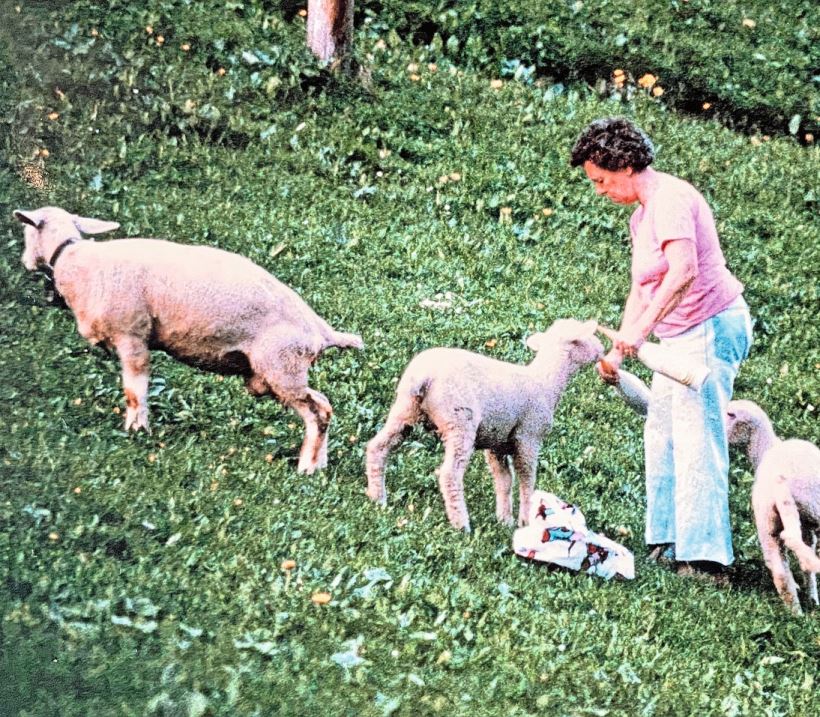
[[414, 386], [792, 535], [410, 392], [344, 340]]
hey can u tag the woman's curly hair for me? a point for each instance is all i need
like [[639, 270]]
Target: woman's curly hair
[[613, 143]]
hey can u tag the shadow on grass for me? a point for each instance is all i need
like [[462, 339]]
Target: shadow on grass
[[751, 577]]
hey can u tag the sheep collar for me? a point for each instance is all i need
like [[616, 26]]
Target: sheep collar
[[59, 250], [53, 296]]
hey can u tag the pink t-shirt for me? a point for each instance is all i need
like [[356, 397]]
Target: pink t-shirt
[[677, 210]]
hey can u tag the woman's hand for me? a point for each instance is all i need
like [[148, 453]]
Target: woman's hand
[[628, 340], [608, 366]]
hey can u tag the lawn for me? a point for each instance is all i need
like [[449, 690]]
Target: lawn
[[142, 574]]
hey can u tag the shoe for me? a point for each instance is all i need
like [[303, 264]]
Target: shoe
[[705, 570], [662, 554]]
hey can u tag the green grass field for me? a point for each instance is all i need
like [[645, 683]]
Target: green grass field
[[141, 574]]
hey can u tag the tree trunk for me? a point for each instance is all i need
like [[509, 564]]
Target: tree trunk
[[330, 28]]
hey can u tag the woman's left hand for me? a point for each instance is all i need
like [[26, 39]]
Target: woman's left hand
[[628, 340]]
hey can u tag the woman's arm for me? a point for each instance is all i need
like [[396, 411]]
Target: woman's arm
[[608, 368], [639, 321], [633, 308]]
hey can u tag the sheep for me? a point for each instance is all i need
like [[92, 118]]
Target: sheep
[[203, 306], [474, 401], [786, 493]]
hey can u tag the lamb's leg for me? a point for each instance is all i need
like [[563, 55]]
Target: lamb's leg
[[458, 448], [792, 534], [525, 462], [811, 576], [778, 565], [499, 464], [768, 526], [403, 414], [135, 360]]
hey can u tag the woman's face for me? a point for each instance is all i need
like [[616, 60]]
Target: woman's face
[[618, 185]]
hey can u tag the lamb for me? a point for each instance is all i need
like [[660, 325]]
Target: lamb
[[786, 493], [786, 487], [205, 307], [474, 401]]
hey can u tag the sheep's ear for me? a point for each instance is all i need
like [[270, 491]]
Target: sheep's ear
[[94, 226], [30, 218], [591, 327]]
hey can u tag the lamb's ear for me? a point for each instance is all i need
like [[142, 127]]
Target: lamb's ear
[[586, 332], [535, 342], [94, 226], [28, 217]]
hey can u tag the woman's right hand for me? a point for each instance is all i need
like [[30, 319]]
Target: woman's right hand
[[608, 366]]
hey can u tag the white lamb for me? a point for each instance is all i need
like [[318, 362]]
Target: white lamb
[[785, 496], [203, 306], [474, 401]]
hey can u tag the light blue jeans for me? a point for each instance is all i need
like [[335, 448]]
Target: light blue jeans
[[687, 453]]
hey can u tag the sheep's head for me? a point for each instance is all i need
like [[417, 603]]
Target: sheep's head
[[742, 419], [577, 337], [46, 228]]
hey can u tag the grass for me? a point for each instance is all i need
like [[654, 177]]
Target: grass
[[142, 573], [737, 61]]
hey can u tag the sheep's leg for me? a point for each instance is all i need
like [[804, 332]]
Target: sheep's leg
[[502, 477], [315, 411], [768, 526], [325, 411], [281, 363], [257, 386], [135, 360], [312, 407], [525, 462], [403, 414], [458, 448]]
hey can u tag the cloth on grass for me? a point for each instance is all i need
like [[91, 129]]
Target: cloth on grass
[[557, 533]]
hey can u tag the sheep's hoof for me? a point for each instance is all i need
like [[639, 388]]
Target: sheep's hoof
[[796, 610], [135, 422], [307, 469], [377, 496], [307, 465], [461, 524], [506, 520], [321, 458]]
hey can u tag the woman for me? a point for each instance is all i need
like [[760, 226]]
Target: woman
[[682, 292]]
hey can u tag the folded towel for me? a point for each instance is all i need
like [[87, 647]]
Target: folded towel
[[557, 533]]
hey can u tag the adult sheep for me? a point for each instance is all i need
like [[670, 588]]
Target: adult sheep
[[204, 306]]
